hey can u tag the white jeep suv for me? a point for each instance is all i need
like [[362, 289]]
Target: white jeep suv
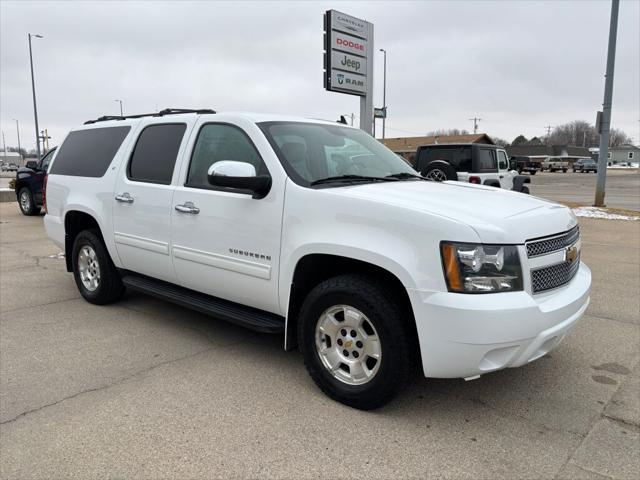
[[318, 232]]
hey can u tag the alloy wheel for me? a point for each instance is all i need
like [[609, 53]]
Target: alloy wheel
[[348, 345]]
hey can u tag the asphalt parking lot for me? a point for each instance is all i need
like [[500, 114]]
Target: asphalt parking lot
[[145, 389], [622, 187]]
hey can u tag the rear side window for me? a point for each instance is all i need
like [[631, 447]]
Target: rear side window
[[154, 156], [486, 160], [88, 153], [458, 157]]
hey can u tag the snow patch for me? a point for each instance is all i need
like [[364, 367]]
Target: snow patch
[[595, 212]]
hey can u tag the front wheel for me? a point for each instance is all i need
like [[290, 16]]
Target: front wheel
[[95, 274], [27, 204], [355, 343], [564, 170]]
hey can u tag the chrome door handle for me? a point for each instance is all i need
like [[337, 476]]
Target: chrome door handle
[[125, 198], [188, 207]]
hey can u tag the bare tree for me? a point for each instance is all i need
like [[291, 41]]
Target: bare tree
[[499, 141], [583, 134], [447, 131]]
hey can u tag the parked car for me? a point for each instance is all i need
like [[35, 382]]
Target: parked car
[[29, 184], [524, 164], [585, 165], [469, 162], [555, 164], [9, 167], [319, 233]]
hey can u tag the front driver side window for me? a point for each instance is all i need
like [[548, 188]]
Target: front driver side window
[[502, 160], [218, 142]]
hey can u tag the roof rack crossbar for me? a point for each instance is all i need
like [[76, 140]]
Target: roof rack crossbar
[[161, 113]]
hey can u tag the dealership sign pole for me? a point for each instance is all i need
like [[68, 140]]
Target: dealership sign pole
[[348, 61]]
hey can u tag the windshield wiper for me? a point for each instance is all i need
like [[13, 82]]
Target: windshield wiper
[[405, 175], [349, 178]]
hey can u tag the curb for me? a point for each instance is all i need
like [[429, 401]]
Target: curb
[[8, 196]]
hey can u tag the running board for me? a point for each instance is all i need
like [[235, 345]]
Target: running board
[[231, 312]]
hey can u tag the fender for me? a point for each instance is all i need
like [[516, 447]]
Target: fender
[[519, 181], [107, 232], [492, 182], [363, 255]]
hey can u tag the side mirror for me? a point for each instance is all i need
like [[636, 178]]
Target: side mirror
[[32, 164], [240, 175]]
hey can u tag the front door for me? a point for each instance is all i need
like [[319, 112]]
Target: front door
[[224, 242], [506, 175], [143, 200]]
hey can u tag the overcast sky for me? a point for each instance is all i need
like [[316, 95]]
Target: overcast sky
[[518, 65]]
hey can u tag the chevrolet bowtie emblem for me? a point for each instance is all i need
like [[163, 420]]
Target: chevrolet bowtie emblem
[[571, 254]]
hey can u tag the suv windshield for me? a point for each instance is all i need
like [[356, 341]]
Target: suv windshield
[[314, 153]]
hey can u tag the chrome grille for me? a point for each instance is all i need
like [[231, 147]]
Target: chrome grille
[[553, 276], [553, 244]]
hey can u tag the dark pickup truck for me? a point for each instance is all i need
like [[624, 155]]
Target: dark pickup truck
[[29, 182], [524, 164]]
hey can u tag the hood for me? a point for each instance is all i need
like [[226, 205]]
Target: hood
[[497, 216]]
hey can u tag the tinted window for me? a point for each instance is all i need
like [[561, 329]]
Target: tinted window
[[155, 153], [458, 157], [486, 160], [218, 142], [88, 153]]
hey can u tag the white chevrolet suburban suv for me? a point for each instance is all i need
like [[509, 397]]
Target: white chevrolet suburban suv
[[316, 231]]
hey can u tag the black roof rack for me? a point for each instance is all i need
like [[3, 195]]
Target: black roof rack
[[161, 113]]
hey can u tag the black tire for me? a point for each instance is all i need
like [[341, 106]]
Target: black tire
[[110, 287], [27, 203], [443, 168], [525, 190], [532, 172], [383, 313], [564, 170]]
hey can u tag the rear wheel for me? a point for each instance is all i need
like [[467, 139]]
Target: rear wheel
[[564, 170], [27, 204], [95, 274], [355, 344]]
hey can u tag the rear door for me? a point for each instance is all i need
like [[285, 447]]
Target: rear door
[[143, 195]]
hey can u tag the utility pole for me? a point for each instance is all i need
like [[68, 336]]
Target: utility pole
[[33, 90], [19, 146], [605, 124], [384, 93], [549, 127], [475, 123], [4, 145]]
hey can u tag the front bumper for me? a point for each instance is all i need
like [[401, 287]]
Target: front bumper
[[464, 335]]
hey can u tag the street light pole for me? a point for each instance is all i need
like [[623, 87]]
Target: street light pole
[[18, 132], [33, 90], [605, 124], [120, 101], [384, 92]]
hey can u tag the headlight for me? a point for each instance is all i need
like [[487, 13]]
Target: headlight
[[475, 268]]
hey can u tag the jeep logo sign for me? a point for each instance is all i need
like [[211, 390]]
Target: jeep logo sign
[[346, 49], [347, 62]]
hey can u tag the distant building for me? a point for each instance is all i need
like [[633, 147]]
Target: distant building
[[10, 157], [623, 154], [407, 146], [539, 153]]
